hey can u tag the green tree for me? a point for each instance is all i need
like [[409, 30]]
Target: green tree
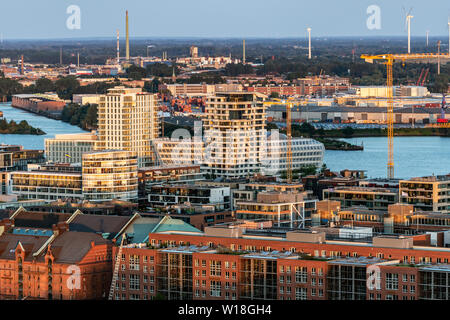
[[348, 131], [66, 87], [44, 85], [274, 95], [136, 73]]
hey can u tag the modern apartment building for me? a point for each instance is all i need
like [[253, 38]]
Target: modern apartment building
[[69, 148], [127, 120], [305, 152], [45, 185], [109, 175], [150, 176], [169, 195], [282, 208], [427, 193], [234, 131], [103, 176], [372, 198]]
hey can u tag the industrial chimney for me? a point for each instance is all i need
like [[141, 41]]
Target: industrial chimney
[[243, 51], [118, 52], [128, 39]]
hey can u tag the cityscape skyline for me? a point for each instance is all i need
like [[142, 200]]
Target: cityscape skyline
[[287, 20]]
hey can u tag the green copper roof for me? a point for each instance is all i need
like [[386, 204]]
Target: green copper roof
[[140, 228]]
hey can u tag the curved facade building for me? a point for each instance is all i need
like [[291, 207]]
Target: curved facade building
[[110, 175]]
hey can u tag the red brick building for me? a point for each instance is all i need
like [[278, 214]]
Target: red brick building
[[225, 263]]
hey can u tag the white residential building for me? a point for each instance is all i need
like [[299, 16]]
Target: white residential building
[[68, 148], [127, 120]]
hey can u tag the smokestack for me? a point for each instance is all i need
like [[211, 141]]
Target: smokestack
[[309, 43], [22, 71], [243, 51], [118, 52], [78, 59], [128, 40], [60, 56]]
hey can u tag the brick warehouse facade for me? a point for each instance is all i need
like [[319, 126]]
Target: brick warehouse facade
[[203, 266], [27, 272]]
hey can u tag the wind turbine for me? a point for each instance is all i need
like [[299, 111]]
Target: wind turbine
[[448, 35], [408, 18]]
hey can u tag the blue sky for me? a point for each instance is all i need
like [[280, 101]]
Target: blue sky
[[44, 19]]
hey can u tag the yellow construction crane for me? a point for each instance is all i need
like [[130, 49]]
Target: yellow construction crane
[[388, 60], [289, 104]]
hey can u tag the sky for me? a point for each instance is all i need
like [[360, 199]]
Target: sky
[[47, 19]]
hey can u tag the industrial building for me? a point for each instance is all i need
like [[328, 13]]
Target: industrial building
[[407, 114]]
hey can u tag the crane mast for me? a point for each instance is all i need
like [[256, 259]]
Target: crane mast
[[289, 106]]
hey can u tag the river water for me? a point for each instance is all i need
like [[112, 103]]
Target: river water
[[49, 126], [413, 156]]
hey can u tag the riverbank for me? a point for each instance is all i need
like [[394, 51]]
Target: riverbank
[[332, 144], [31, 141], [12, 127], [382, 132]]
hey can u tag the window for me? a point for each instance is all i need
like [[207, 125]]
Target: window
[[134, 282], [301, 274], [391, 281], [215, 268], [412, 278], [215, 288], [301, 293], [405, 278], [134, 262], [412, 289]]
